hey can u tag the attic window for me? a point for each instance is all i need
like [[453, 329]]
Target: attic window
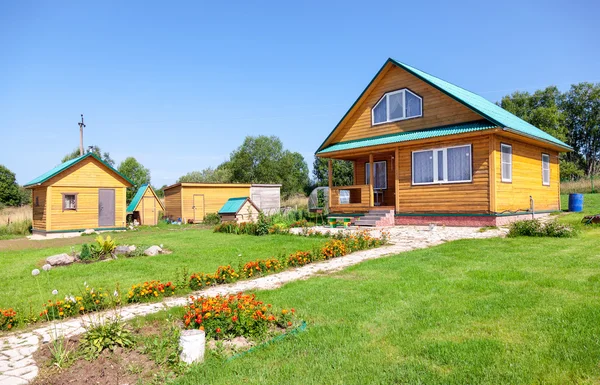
[[397, 105]]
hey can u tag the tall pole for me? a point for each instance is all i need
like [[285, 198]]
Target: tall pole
[[81, 126]]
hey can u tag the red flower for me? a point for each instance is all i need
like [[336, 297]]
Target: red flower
[[218, 330]]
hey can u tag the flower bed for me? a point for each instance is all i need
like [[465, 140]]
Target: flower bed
[[8, 318], [261, 267], [150, 290], [235, 315]]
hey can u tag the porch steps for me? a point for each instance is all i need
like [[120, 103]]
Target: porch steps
[[376, 218]]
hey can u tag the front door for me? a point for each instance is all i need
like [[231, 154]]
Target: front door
[[149, 211], [198, 207], [106, 207]]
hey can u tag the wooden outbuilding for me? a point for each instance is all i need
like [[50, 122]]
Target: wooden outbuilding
[[193, 201], [427, 151], [239, 210], [82, 193], [146, 206]]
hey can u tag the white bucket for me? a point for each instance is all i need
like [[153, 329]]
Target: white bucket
[[192, 344]]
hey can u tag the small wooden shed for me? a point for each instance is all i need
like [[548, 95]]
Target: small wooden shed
[[145, 206], [193, 201], [239, 210], [82, 193]]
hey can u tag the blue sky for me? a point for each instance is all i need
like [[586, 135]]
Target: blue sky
[[178, 85]]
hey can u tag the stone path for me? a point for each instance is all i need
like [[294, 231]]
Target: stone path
[[17, 365]]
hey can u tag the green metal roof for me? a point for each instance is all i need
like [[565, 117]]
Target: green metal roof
[[410, 135], [233, 205], [62, 167], [136, 199], [482, 106]]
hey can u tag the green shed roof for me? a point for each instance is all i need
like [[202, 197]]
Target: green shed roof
[[62, 167], [410, 135], [482, 106], [233, 205], [136, 199]]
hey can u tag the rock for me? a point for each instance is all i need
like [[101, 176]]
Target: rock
[[60, 259], [89, 231], [124, 249], [153, 250], [132, 248]]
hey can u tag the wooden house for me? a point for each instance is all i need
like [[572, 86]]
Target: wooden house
[[82, 193], [239, 210], [145, 206], [192, 201], [427, 151]]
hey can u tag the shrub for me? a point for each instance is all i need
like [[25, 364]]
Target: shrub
[[535, 228], [226, 274], [212, 219], [300, 223], [150, 289], [8, 319], [233, 316], [278, 228], [106, 245], [109, 335], [86, 253], [260, 267], [333, 248], [22, 227]]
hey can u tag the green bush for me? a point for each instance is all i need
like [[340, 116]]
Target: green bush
[[535, 228], [109, 335], [17, 228], [212, 219], [86, 253]]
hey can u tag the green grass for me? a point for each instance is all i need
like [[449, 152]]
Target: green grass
[[196, 250], [493, 311], [591, 206]]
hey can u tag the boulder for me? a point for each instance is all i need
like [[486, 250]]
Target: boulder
[[60, 259], [89, 231], [123, 249], [153, 250], [132, 248]]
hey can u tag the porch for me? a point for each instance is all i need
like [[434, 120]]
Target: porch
[[375, 184]]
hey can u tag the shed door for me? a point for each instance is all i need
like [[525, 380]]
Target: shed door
[[198, 207], [106, 207], [149, 211]]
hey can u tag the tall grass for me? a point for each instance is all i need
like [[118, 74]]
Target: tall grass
[[298, 201], [581, 186], [15, 220]]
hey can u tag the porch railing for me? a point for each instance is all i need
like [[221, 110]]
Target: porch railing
[[351, 198]]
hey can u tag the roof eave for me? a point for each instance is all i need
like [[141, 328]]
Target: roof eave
[[563, 146]]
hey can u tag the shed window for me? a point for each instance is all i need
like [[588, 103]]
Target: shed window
[[379, 176], [506, 151], [397, 105], [37, 201], [442, 165], [69, 202], [546, 169]]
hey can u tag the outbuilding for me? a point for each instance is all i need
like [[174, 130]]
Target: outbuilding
[[82, 193], [239, 210], [145, 206], [191, 202]]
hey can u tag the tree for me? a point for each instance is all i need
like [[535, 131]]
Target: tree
[[160, 192], [9, 189], [137, 173], [262, 159], [96, 150], [581, 106], [542, 109], [221, 174], [342, 170]]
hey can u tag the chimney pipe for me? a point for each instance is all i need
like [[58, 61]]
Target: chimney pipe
[[81, 126]]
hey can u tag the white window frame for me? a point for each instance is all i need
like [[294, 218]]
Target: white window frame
[[547, 162], [367, 179], [435, 152], [387, 107], [502, 163]]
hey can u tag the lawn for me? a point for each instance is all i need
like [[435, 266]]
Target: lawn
[[197, 250], [493, 311]]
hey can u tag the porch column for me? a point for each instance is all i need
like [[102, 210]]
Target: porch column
[[396, 180], [330, 180], [371, 179]]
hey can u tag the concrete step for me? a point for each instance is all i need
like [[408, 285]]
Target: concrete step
[[370, 217], [367, 222]]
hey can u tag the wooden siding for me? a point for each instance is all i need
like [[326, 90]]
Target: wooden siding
[[87, 173], [86, 215], [266, 198], [360, 175], [438, 109], [173, 202], [214, 199], [470, 197], [526, 178], [39, 210]]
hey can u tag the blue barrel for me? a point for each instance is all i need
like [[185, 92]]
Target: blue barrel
[[576, 202]]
